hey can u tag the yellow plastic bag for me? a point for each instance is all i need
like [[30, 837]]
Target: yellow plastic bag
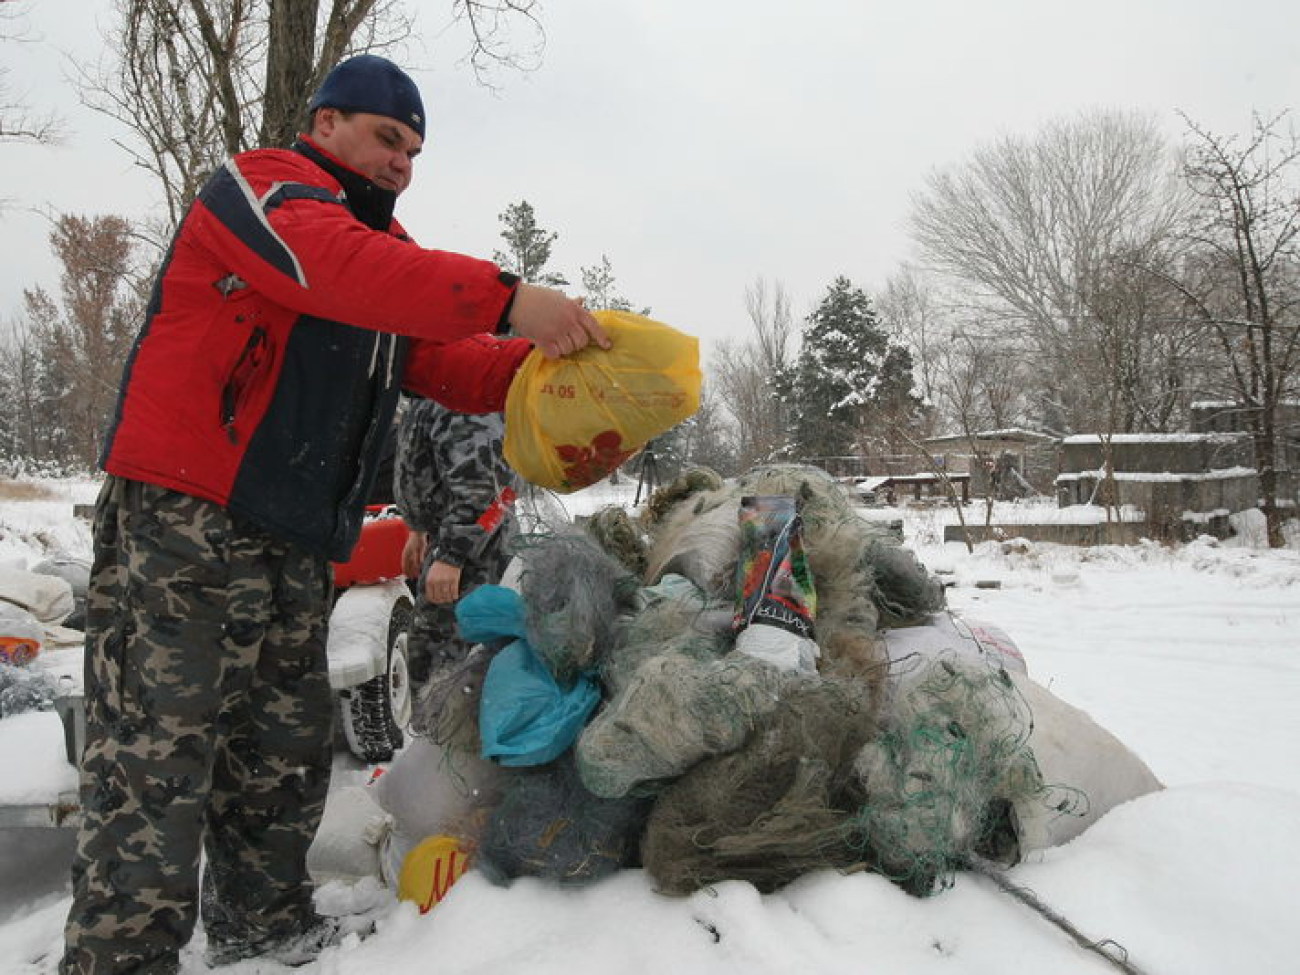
[[571, 421]]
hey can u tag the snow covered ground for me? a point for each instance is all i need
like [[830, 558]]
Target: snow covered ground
[[1191, 656]]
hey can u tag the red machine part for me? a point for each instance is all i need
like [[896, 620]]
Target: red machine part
[[378, 552]]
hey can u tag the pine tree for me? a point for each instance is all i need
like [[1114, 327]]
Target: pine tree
[[599, 289], [850, 381], [529, 246]]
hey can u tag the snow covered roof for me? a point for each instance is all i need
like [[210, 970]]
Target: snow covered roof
[[1092, 438], [1227, 404], [1015, 434], [1150, 476], [865, 485]]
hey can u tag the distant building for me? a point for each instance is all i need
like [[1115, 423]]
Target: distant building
[[1224, 416], [1186, 483], [1005, 464]]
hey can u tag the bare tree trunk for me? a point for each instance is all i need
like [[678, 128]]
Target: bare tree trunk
[[291, 37]]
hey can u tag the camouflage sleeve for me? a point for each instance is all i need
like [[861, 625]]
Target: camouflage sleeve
[[417, 474], [464, 486]]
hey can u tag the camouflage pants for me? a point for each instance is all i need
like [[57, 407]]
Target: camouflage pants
[[433, 643], [208, 729]]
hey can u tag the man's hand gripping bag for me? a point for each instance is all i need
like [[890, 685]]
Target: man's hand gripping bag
[[571, 421]]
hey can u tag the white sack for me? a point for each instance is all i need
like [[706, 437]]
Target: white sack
[[346, 847], [18, 624], [48, 598], [427, 792], [1073, 751]]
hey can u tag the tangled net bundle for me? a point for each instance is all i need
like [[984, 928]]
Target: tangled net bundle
[[676, 711], [942, 778], [674, 618], [771, 810], [574, 592], [613, 529], [547, 824]]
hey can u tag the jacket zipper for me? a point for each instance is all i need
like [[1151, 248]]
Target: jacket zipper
[[246, 366]]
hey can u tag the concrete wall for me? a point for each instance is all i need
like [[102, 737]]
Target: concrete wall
[[1159, 453], [1167, 476], [1117, 533], [1165, 499], [1223, 416]]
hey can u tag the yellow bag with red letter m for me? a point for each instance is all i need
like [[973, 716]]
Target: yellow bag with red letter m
[[571, 421]]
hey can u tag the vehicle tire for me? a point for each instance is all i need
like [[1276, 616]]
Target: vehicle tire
[[376, 712]]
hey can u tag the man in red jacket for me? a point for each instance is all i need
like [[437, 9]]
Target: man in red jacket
[[290, 312]]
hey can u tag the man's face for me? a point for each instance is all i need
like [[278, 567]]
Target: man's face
[[376, 146]]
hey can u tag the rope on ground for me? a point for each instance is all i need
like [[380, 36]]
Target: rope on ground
[[1112, 951]]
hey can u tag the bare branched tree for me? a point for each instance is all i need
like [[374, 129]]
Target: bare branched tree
[[495, 44], [1150, 352], [25, 431], [18, 121], [1032, 229], [708, 440], [747, 375], [83, 339], [910, 310], [1243, 279], [196, 81], [981, 384], [769, 312]]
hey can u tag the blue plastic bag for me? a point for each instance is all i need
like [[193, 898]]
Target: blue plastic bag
[[525, 716], [491, 613]]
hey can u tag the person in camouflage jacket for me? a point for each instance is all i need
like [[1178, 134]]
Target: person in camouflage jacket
[[456, 492]]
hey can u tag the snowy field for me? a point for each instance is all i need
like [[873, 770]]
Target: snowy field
[[1191, 656]]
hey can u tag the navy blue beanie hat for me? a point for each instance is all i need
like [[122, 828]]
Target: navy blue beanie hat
[[369, 83]]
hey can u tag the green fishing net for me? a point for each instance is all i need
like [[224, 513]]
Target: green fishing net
[[944, 774], [771, 810]]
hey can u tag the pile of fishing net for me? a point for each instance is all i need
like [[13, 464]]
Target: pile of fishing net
[[631, 721]]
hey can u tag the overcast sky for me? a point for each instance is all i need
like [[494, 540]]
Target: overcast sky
[[703, 143]]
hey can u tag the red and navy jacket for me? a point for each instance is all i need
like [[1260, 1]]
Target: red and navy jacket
[[289, 312]]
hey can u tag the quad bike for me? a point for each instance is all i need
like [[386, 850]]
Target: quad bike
[[367, 639], [366, 647]]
